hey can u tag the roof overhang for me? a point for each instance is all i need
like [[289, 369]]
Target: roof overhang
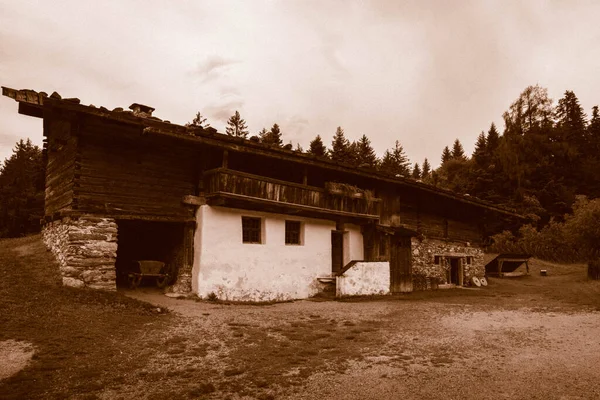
[[32, 103]]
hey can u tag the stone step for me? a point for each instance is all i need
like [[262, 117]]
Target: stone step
[[326, 279]]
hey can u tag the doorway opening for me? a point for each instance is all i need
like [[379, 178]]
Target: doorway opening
[[455, 271], [337, 251], [140, 240], [400, 264]]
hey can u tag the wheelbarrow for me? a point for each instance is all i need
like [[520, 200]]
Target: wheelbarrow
[[149, 269]]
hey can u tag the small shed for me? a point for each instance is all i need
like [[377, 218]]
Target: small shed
[[505, 264]]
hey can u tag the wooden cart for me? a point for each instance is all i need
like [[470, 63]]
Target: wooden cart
[[149, 269]]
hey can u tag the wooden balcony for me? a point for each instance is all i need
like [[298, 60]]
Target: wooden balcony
[[242, 190]]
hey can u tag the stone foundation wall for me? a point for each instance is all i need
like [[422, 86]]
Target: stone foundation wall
[[86, 250], [424, 266]]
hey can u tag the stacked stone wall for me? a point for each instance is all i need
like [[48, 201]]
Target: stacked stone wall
[[423, 260], [86, 250]]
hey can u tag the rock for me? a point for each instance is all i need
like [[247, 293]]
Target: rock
[[76, 283], [86, 236], [70, 271]]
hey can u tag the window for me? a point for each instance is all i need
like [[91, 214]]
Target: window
[[251, 230], [293, 231]]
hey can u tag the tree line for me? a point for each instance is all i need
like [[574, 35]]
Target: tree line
[[545, 156], [359, 152], [22, 178]]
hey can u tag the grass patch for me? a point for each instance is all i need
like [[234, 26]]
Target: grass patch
[[69, 328]]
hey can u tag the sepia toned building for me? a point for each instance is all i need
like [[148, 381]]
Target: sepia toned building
[[239, 220]]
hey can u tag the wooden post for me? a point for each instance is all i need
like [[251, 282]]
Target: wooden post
[[184, 275], [305, 176], [500, 262], [225, 158]]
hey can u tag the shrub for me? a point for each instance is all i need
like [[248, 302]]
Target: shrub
[[575, 239]]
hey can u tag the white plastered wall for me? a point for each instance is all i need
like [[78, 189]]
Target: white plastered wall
[[365, 278], [353, 243], [258, 272]]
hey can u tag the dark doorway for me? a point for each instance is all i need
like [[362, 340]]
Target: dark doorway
[[455, 271], [337, 251], [400, 264], [147, 240]]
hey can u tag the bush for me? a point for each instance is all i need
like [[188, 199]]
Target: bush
[[575, 239]]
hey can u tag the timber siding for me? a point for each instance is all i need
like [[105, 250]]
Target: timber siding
[[249, 187], [61, 155], [126, 176]]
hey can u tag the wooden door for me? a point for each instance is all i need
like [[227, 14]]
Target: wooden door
[[400, 264], [337, 251]]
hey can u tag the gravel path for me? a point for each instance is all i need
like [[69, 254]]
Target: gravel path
[[433, 349]]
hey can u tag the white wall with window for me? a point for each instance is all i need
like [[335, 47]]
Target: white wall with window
[[244, 255]]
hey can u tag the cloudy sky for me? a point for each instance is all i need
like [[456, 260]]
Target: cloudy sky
[[421, 72]]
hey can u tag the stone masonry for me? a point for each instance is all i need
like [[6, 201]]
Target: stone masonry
[[86, 250], [425, 250]]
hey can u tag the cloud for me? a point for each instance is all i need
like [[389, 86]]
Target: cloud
[[223, 110], [213, 67]]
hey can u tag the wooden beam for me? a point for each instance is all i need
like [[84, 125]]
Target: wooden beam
[[220, 199], [194, 200], [225, 158]]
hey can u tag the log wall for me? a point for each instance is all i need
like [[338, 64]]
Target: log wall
[[61, 150], [124, 174], [435, 218]]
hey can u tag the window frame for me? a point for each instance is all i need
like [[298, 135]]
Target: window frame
[[252, 232], [292, 234]]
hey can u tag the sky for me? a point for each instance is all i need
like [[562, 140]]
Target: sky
[[420, 72]]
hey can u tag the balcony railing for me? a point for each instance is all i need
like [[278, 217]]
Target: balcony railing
[[241, 186]]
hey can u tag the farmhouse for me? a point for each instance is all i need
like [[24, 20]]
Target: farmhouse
[[237, 218]]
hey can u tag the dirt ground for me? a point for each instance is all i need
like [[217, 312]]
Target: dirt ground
[[522, 338]]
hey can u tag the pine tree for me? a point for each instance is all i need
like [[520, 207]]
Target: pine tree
[[388, 164], [591, 160], [199, 121], [426, 169], [299, 148], [593, 131], [273, 137], [446, 155], [353, 151], [236, 126], [262, 134], [480, 152], [395, 162], [366, 156], [401, 159], [340, 147], [317, 148], [570, 125], [569, 113], [458, 153], [416, 173], [492, 140]]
